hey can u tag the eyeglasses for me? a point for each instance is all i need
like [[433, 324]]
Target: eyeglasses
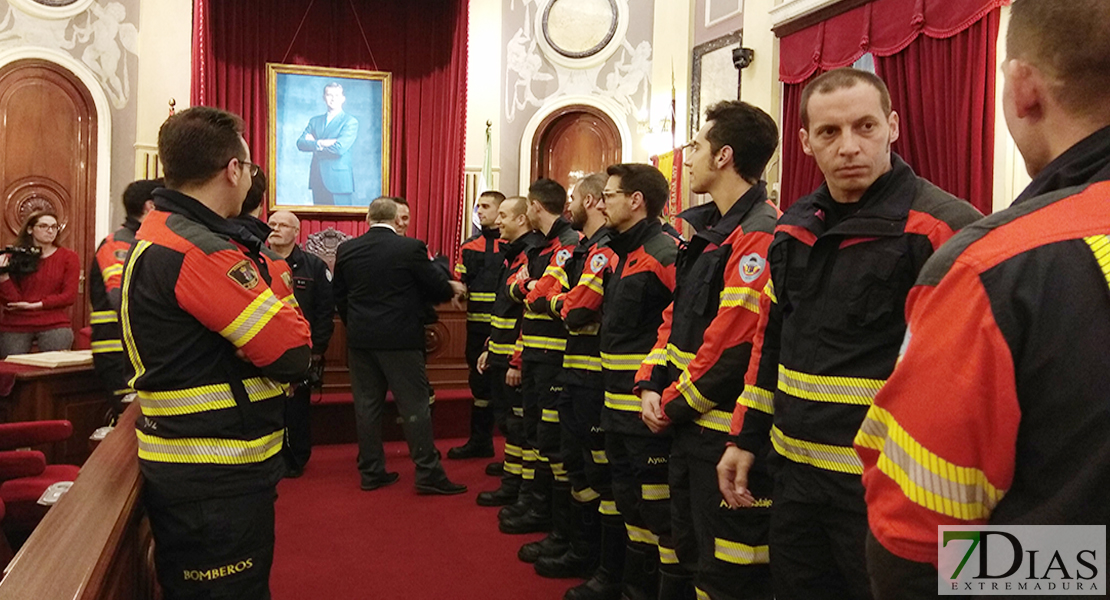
[[253, 167], [47, 227], [609, 195]]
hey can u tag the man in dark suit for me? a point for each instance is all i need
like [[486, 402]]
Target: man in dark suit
[[382, 282], [329, 138]]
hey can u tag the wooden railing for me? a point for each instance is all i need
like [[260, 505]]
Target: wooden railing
[[95, 543]]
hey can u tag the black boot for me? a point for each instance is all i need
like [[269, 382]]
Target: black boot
[[558, 541], [496, 469], [581, 559], [523, 501], [538, 516], [673, 586], [472, 449], [606, 581], [641, 573], [502, 496]]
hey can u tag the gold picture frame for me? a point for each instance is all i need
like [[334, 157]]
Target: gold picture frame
[[329, 138]]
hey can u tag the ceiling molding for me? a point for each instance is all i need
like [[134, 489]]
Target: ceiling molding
[[795, 15]]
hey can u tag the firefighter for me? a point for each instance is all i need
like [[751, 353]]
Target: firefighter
[[543, 342], [105, 275], [210, 376], [842, 262], [1002, 383], [708, 341], [501, 361], [478, 266]]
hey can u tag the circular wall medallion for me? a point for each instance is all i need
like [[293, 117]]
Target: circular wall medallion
[[579, 28], [52, 9], [29, 195]]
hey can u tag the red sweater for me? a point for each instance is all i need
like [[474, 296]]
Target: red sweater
[[54, 284]]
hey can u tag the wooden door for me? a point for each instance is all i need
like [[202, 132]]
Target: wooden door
[[48, 157], [573, 142]]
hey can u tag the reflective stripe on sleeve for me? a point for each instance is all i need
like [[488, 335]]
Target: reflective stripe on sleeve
[[252, 319], [743, 297], [502, 322], [101, 317], [758, 399], [502, 349], [692, 394], [106, 346], [658, 357], [717, 420], [680, 358]]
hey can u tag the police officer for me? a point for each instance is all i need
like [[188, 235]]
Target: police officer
[[477, 268], [105, 275], [312, 288], [210, 376]]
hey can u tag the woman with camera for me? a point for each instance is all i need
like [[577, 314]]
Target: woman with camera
[[38, 283]]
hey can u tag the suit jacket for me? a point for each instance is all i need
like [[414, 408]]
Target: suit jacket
[[382, 284], [331, 166]]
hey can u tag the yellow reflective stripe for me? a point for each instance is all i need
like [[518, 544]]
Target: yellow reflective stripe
[[519, 346], [639, 534], [558, 273], [692, 395], [622, 362], [717, 420], [218, 451], [1100, 245], [531, 454], [769, 289], [823, 456], [758, 399], [168, 403], [625, 402], [608, 508], [460, 269], [112, 269], [658, 356], [518, 411], [125, 313], [123, 392], [701, 594], [586, 495], [544, 343], [593, 282], [667, 556], [824, 388], [680, 358], [655, 491], [558, 469], [106, 346], [480, 403], [513, 468], [599, 457], [538, 316], [478, 317], [291, 301], [513, 450], [252, 319], [743, 297], [502, 322], [100, 317], [550, 416], [582, 361], [962, 493], [740, 554], [527, 473], [502, 349], [482, 296]]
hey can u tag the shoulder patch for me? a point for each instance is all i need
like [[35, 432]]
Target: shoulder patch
[[561, 257], [244, 274], [121, 254], [598, 263], [287, 277], [751, 267]]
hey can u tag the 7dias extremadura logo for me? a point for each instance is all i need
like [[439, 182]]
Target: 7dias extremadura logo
[[982, 560]]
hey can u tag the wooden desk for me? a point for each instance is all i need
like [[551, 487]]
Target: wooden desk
[[41, 394]]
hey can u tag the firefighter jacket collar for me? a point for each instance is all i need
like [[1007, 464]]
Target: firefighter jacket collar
[[602, 235], [883, 211], [490, 232], [250, 231], [635, 236], [295, 258], [131, 224], [1086, 161], [707, 217], [557, 228], [187, 206]]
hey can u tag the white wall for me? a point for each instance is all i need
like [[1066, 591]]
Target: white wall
[[759, 83], [673, 40], [1010, 176], [165, 44], [483, 81]]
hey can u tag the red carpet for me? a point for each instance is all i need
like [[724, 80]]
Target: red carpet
[[337, 542]]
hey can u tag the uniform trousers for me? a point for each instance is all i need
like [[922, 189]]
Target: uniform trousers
[[298, 428], [507, 406], [481, 389], [639, 468], [539, 383], [583, 444]]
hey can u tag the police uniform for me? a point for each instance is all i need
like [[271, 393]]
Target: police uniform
[[834, 322], [707, 342], [211, 425], [105, 275]]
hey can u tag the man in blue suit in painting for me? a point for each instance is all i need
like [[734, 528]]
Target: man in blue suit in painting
[[329, 138]]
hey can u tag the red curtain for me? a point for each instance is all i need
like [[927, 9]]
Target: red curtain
[[800, 174], [423, 43]]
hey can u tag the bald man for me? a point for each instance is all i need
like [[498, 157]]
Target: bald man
[[312, 288]]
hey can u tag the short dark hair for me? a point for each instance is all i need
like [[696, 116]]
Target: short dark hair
[[197, 142], [137, 193], [551, 195], [750, 132], [255, 194], [839, 79], [398, 200], [497, 196], [1068, 41], [645, 179]]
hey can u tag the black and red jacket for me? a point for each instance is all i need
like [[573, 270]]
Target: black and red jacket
[[833, 325], [542, 335], [478, 267], [105, 276], [638, 289], [582, 360], [997, 411], [706, 339], [504, 336]]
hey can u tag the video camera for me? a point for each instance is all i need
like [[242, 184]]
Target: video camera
[[21, 260]]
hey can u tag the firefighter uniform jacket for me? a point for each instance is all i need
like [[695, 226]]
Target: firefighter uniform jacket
[[192, 304], [997, 412], [638, 288], [312, 290], [543, 337], [834, 322], [707, 336], [504, 335], [104, 296], [582, 361], [478, 267]]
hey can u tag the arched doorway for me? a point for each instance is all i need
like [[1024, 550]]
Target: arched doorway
[[48, 156], [574, 141]]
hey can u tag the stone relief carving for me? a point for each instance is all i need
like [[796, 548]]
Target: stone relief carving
[[103, 33]]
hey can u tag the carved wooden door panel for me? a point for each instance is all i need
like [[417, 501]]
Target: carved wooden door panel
[[573, 142], [48, 157]]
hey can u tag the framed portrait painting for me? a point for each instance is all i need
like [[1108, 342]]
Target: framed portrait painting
[[328, 138]]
